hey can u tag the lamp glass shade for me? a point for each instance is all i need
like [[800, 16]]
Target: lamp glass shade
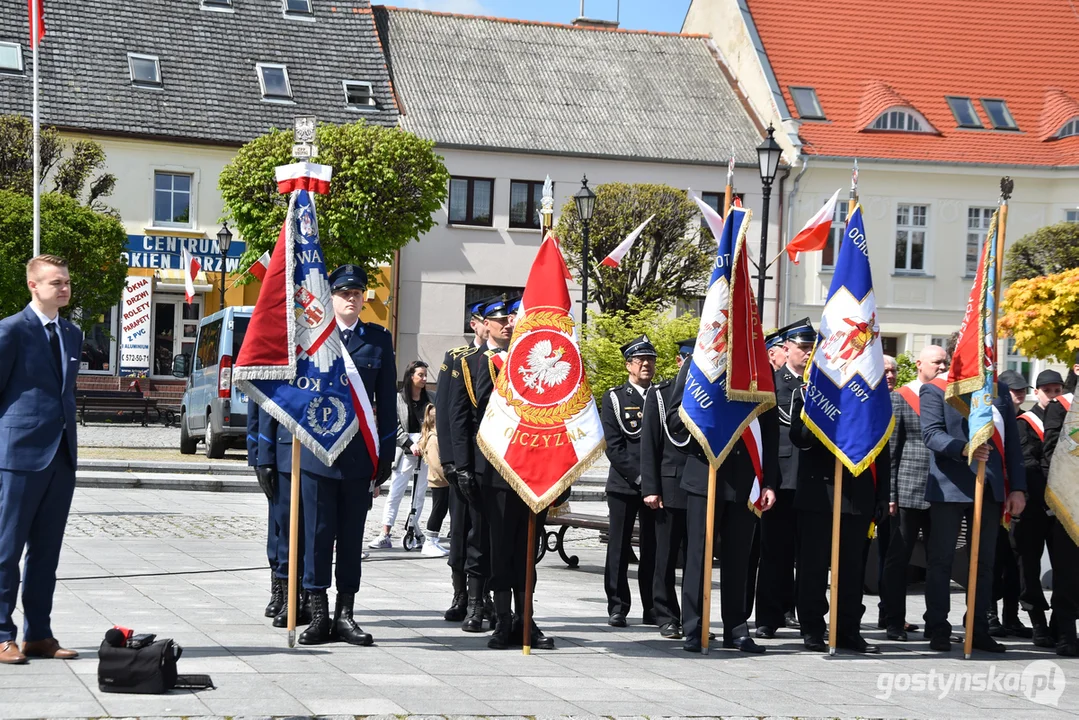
[[224, 238], [769, 154], [586, 202]]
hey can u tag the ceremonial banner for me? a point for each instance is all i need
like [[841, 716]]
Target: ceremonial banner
[[542, 428], [729, 381], [972, 377], [847, 403], [292, 362], [1062, 490]]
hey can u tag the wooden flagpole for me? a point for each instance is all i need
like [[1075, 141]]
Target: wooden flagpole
[[530, 576], [293, 543], [1006, 185]]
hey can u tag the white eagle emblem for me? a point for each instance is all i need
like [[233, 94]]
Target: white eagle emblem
[[545, 367]]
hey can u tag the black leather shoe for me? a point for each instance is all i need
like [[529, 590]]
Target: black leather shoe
[[995, 628], [458, 608], [1042, 637], [278, 589], [303, 611], [940, 643], [910, 627], [691, 646], [344, 627], [617, 620], [1067, 649], [745, 644], [474, 619], [814, 643], [856, 643], [987, 644], [1016, 628], [320, 630], [765, 631], [489, 611], [671, 631], [649, 617], [539, 640], [790, 621], [897, 634]]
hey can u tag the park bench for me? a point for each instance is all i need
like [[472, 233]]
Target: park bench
[[555, 540], [114, 402]]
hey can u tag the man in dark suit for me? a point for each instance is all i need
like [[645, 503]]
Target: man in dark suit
[[39, 361], [622, 415], [950, 492], [1063, 550], [336, 497], [661, 475]]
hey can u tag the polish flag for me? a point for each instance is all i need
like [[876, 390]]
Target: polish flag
[[558, 243], [619, 252], [260, 266], [35, 38], [191, 268], [304, 176], [814, 236]]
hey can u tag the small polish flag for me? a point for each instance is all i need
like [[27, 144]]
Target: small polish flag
[[814, 236], [38, 5], [304, 176], [260, 266], [191, 268], [615, 258]]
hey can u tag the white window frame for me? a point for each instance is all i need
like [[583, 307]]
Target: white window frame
[[132, 57], [835, 234], [1004, 105], [901, 115], [985, 215], [819, 114], [217, 5], [164, 228], [909, 229], [1071, 216], [369, 107], [308, 16], [1015, 361], [259, 68], [18, 54], [1070, 128]]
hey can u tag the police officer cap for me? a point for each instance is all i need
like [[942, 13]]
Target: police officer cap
[[1013, 380], [774, 340], [685, 347], [348, 277], [639, 346], [497, 309], [799, 332], [515, 306], [476, 310], [1049, 377]]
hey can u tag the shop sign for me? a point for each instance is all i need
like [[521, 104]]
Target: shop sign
[[135, 307], [163, 251]]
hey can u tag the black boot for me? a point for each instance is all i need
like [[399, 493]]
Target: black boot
[[320, 630], [489, 611], [502, 637], [278, 588], [1067, 645], [1041, 634], [344, 627], [474, 620], [537, 640], [995, 628], [303, 609], [457, 609]]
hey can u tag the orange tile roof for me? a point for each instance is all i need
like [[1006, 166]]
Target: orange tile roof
[[863, 55]]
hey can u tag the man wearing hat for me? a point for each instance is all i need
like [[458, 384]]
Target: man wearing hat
[[777, 352], [504, 513], [661, 473], [778, 541], [1034, 529], [622, 415], [336, 497], [462, 516]]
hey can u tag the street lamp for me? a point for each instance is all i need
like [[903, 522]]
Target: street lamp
[[769, 153], [586, 203], [224, 240]]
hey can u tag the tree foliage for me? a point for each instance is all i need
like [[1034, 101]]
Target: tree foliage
[[1042, 315], [90, 241], [606, 332], [1046, 251], [68, 166], [670, 261], [907, 370], [386, 185]]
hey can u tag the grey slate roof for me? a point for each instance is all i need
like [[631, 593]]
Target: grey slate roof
[[210, 89], [475, 82]]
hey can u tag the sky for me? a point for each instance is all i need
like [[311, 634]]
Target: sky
[[663, 15]]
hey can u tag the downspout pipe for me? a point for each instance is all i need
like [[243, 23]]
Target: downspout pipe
[[790, 220]]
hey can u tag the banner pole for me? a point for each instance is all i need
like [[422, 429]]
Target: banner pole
[[837, 516], [709, 544], [35, 38], [293, 543], [530, 581], [972, 572]]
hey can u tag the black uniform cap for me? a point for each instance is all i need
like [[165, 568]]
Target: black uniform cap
[[1048, 377], [348, 277], [685, 347], [497, 309], [800, 332], [639, 346], [774, 340], [1013, 380]]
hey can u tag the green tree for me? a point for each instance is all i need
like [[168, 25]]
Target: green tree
[[670, 261], [908, 371], [90, 241], [386, 185], [1046, 251], [606, 332]]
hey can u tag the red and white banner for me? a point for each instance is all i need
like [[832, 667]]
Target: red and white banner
[[260, 266], [542, 428], [615, 258], [31, 6], [814, 236], [304, 176], [190, 266]]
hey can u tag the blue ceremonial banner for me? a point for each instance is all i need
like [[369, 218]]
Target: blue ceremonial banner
[[728, 382], [847, 402]]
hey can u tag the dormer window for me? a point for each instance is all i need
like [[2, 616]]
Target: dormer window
[[273, 80], [359, 95], [998, 113], [1070, 129], [145, 70], [10, 57], [298, 7], [216, 4], [806, 103], [964, 112], [902, 120]]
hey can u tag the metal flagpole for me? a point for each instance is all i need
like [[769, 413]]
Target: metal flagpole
[[35, 39], [293, 543]]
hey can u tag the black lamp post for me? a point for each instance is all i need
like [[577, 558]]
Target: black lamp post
[[769, 153], [586, 203], [224, 240]]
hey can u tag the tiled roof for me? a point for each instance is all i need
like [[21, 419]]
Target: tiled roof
[[480, 82], [924, 50], [210, 90]]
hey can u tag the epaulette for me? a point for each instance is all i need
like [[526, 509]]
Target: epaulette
[[662, 384], [373, 325], [455, 352]]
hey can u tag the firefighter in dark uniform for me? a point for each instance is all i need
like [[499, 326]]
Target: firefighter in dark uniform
[[865, 499], [775, 595], [734, 524], [461, 514], [336, 497], [661, 475], [504, 513], [622, 416]]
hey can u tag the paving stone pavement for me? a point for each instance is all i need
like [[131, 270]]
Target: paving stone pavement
[[192, 566]]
